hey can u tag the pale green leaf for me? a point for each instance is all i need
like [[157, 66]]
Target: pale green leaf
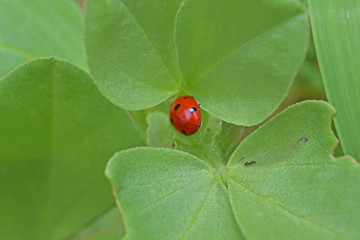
[[336, 31], [40, 28], [296, 189], [168, 194], [56, 133]]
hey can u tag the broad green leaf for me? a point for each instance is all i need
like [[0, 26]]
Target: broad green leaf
[[336, 31], [40, 28], [296, 189], [56, 133], [107, 226], [234, 56], [241, 62], [168, 194]]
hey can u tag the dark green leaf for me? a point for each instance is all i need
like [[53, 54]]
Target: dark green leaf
[[56, 133]]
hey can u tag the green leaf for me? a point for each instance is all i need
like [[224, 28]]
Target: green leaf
[[168, 194], [56, 133], [128, 65], [336, 31], [233, 56], [295, 190], [39, 28], [240, 62]]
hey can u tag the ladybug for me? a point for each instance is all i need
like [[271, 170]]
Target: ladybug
[[185, 115]]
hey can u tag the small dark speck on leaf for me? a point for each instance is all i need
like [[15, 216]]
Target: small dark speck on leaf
[[249, 163], [303, 140], [300, 140], [242, 159], [208, 129], [173, 145]]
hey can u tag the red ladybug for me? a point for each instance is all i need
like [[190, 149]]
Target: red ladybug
[[185, 115]]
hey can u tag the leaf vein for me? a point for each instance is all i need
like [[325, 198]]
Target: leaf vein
[[243, 45], [198, 211], [289, 212], [170, 193], [148, 37]]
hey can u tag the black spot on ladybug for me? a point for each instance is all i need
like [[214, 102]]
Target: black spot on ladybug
[[192, 110], [186, 97], [183, 131], [177, 106], [172, 122]]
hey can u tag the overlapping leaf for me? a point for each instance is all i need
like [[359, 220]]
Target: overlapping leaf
[[233, 56]]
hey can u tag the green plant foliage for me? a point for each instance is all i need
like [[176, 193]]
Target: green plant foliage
[[234, 56], [203, 144], [56, 133], [336, 31], [107, 226], [40, 28], [295, 190]]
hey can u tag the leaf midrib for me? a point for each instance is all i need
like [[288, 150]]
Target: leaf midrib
[[198, 210], [150, 40]]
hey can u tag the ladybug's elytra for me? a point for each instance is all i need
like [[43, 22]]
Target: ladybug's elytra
[[185, 115]]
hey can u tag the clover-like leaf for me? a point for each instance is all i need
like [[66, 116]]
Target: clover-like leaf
[[234, 56], [40, 28], [56, 133], [294, 189], [168, 194]]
